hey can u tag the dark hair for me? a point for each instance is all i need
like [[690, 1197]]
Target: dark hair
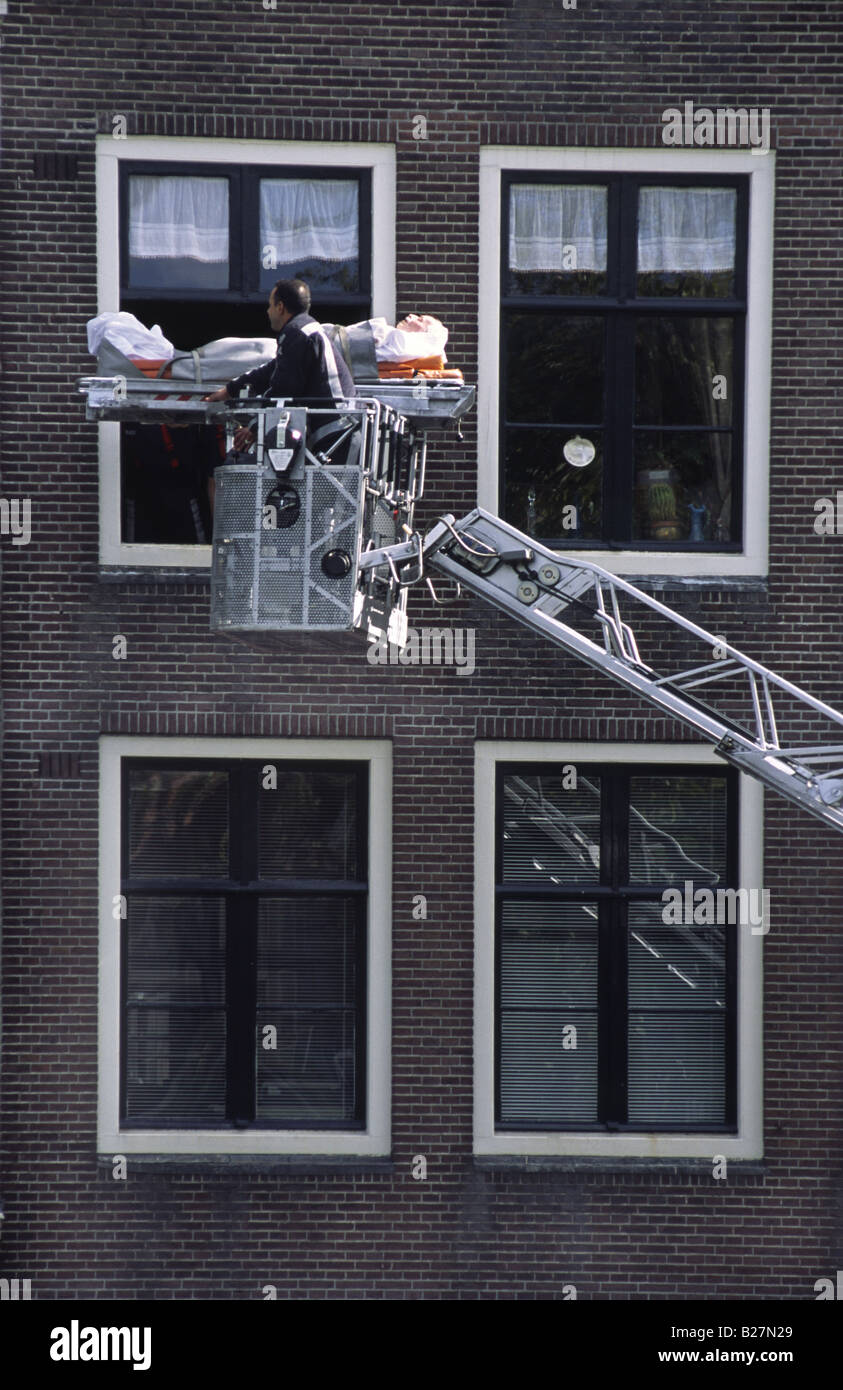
[[294, 295]]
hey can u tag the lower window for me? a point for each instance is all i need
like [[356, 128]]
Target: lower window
[[618, 930], [246, 934]]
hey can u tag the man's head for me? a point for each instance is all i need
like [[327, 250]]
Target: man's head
[[287, 298], [417, 323]]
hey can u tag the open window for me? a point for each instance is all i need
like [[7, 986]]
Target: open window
[[201, 247], [192, 236]]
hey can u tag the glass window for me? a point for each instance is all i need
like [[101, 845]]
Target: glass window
[[244, 946], [178, 232], [622, 324], [613, 1011], [310, 228]]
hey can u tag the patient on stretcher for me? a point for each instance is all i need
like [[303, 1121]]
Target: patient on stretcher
[[414, 347]]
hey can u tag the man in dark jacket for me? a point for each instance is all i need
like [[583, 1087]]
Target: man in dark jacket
[[305, 368]]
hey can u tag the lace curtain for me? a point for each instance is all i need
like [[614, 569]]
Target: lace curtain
[[679, 229], [307, 218], [686, 229], [177, 216], [544, 218]]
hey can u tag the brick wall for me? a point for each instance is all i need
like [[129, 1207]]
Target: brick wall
[[525, 74]]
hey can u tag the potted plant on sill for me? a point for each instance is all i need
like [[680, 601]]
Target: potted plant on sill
[[658, 504]]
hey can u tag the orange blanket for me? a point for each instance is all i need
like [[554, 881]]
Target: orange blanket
[[418, 366]]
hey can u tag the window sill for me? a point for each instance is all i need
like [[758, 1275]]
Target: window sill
[[154, 574], [669, 1167], [697, 583], [279, 1164], [706, 568]]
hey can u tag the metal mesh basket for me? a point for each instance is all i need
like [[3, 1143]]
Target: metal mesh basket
[[285, 567]]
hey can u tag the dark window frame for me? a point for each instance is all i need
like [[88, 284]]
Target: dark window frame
[[612, 894], [620, 306], [244, 212], [242, 891]]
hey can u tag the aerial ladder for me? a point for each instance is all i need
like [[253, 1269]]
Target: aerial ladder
[[314, 530]]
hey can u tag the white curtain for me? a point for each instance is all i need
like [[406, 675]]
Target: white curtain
[[178, 216], [679, 229], [686, 229], [304, 218], [545, 218]]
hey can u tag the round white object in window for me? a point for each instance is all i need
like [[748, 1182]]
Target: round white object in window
[[579, 452]]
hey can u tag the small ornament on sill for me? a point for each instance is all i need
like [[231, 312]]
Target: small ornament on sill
[[698, 516]]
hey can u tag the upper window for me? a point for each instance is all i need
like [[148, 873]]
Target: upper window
[[245, 998], [200, 249], [191, 235], [623, 307]]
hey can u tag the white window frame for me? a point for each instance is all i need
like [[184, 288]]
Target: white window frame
[[494, 160], [375, 1139], [747, 1143], [379, 158]]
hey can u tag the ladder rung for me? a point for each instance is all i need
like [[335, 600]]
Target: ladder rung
[[719, 670]]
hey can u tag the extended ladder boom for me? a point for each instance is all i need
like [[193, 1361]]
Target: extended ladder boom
[[551, 593]]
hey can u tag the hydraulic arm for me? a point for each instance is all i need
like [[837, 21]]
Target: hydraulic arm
[[559, 596]]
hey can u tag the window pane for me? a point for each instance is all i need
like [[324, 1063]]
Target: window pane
[[676, 362], [548, 1012], [175, 1011], [674, 967], [683, 486], [686, 242], [555, 368], [677, 1071], [557, 239], [677, 1006], [176, 951], [540, 1081], [308, 952], [677, 830], [548, 955], [310, 228], [544, 494], [178, 823], [178, 232], [308, 825], [551, 834]]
